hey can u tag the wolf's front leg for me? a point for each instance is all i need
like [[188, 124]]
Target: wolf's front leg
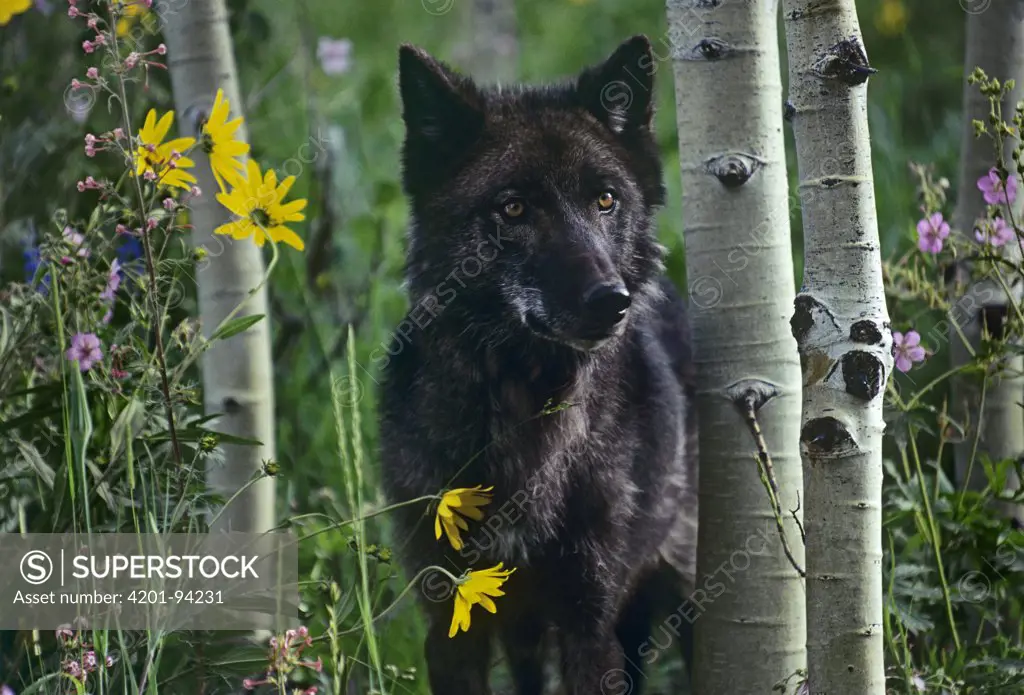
[[523, 639], [592, 663], [458, 664]]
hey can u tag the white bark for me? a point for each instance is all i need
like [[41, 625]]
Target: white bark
[[995, 42], [740, 267], [842, 328], [237, 373]]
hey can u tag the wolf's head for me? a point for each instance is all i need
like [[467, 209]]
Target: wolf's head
[[532, 206]]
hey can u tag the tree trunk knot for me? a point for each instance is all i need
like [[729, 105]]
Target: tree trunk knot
[[863, 374], [733, 169], [710, 49], [846, 62], [865, 332], [803, 319], [788, 111], [826, 437]]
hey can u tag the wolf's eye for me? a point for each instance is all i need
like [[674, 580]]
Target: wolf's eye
[[513, 208], [606, 201]]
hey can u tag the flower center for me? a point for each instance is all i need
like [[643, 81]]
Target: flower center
[[260, 217], [207, 142]]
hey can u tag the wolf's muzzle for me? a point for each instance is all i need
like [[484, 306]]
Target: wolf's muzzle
[[604, 307]]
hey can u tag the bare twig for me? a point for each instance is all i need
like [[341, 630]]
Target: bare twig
[[767, 473]]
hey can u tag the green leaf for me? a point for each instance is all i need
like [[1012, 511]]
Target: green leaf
[[38, 686], [914, 622], [194, 434], [906, 571], [5, 332], [235, 326], [80, 426], [31, 416], [35, 460], [127, 424]]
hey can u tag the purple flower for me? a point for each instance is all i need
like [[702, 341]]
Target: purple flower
[[86, 349], [907, 349], [6, 690], [76, 239], [89, 661], [995, 231], [991, 185], [72, 668], [335, 55], [113, 281], [930, 232]]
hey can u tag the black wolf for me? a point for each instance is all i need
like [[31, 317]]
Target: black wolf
[[546, 356]]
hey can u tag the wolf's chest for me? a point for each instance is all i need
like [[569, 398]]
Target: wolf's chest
[[539, 492]]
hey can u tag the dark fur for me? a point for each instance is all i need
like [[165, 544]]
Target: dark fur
[[597, 488]]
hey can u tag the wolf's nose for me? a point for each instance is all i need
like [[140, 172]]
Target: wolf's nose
[[605, 304]]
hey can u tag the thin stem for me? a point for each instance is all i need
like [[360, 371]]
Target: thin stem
[[1009, 293], [408, 587], [974, 448], [943, 419], [933, 533], [382, 510], [239, 491], [150, 267], [933, 383], [767, 474]]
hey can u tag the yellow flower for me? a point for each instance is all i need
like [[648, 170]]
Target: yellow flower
[[257, 202], [163, 162], [129, 11], [219, 143], [460, 501], [892, 18], [477, 587], [9, 8]]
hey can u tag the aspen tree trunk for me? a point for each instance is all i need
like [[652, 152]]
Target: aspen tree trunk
[[492, 50], [740, 267], [842, 328], [237, 374], [995, 43]]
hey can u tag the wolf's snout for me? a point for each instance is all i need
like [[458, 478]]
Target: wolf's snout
[[605, 305]]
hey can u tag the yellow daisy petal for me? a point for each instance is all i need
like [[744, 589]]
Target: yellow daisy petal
[[472, 512], [284, 234], [233, 148], [163, 126], [225, 228], [146, 134], [252, 172], [488, 604], [243, 229], [460, 616], [233, 204], [452, 532], [292, 207], [270, 180], [285, 186]]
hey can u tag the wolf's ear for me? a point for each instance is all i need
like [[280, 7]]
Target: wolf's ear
[[439, 107], [620, 91]]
